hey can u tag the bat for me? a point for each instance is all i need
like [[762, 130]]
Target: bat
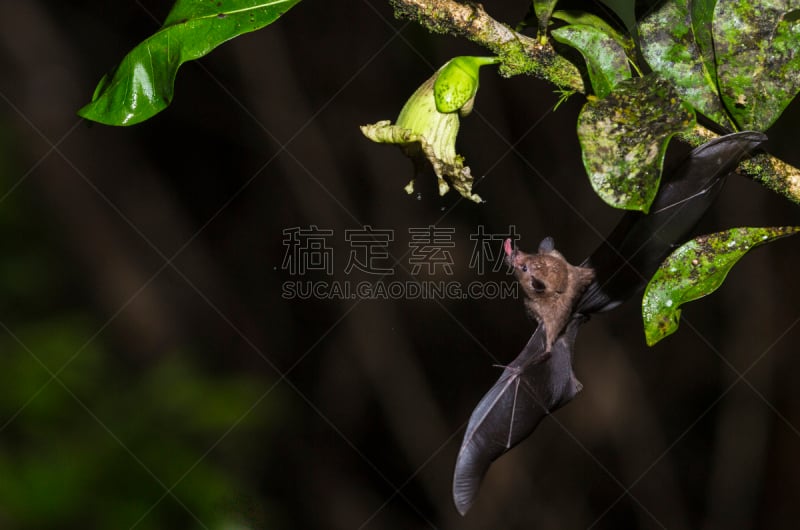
[[540, 380], [537, 382], [550, 283]]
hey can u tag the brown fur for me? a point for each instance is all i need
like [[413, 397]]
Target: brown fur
[[552, 287]]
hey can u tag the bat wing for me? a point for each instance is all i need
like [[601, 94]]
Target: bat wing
[[631, 254], [533, 385], [537, 383]]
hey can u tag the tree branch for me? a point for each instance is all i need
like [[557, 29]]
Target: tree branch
[[520, 54]]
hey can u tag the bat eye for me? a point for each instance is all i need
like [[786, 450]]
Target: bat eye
[[524, 268], [538, 285]]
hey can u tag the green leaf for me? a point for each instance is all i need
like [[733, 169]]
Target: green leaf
[[605, 58], [697, 269], [624, 9], [758, 64], [702, 16], [544, 8], [142, 85], [670, 47], [588, 19], [457, 83], [624, 137]]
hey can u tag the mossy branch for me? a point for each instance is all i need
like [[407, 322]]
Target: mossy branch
[[520, 54]]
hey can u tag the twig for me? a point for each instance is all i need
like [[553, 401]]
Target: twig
[[520, 54]]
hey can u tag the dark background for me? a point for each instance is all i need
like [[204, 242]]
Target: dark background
[[152, 376]]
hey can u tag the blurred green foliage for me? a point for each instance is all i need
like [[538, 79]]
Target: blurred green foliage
[[99, 446]]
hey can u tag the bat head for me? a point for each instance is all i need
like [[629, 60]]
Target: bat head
[[551, 285], [542, 274]]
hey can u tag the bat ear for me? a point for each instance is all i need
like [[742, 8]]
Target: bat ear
[[547, 245]]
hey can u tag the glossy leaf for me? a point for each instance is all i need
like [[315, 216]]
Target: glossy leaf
[[758, 64], [605, 58], [624, 137], [695, 270], [142, 85], [670, 47]]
